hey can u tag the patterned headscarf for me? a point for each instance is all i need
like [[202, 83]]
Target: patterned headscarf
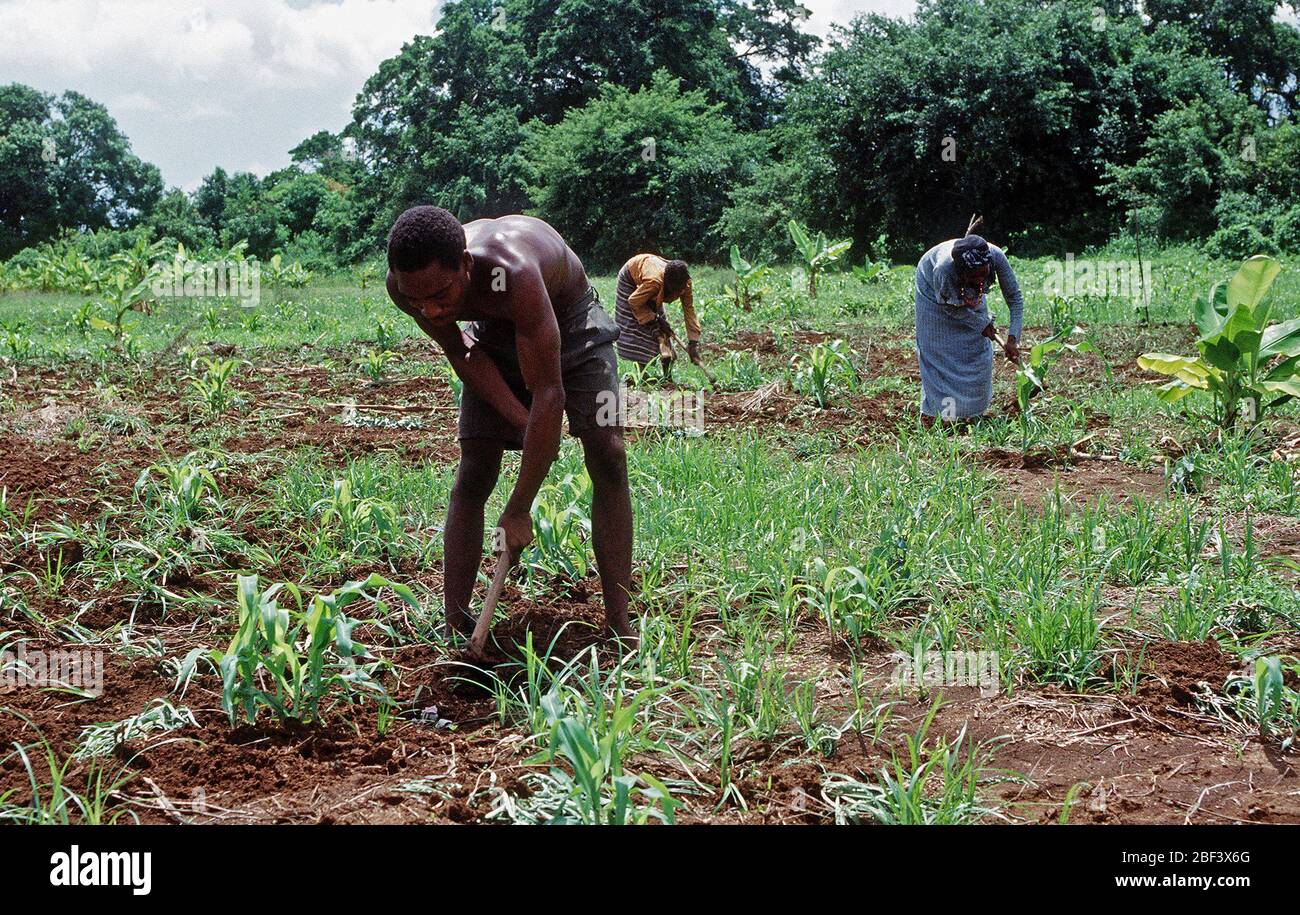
[[970, 253]]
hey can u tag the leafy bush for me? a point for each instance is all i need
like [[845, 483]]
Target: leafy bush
[[662, 158]]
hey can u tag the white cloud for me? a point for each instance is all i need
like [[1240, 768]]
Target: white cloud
[[133, 101], [826, 13]]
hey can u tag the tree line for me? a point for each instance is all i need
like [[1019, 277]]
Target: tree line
[[688, 125]]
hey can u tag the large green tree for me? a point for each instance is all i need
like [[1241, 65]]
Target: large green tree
[[648, 170], [444, 120], [1260, 50], [1011, 108], [65, 164]]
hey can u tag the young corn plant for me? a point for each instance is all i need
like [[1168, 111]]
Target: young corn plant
[[1277, 705], [823, 370], [1247, 365], [52, 798], [360, 525], [1032, 371], [279, 274], [587, 749], [289, 659], [374, 364], [213, 386], [187, 489], [817, 252], [562, 527], [122, 296], [923, 786]]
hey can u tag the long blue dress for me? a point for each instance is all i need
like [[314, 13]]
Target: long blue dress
[[956, 360]]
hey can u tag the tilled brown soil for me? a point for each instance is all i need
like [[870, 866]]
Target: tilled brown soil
[[1151, 754]]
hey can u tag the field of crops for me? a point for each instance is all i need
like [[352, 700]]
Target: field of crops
[[1082, 609]]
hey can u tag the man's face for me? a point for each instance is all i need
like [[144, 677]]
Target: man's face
[[972, 285], [436, 290]]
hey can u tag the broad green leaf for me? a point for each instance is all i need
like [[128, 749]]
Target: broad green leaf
[[1188, 369], [1173, 391], [1281, 340], [1289, 386], [1210, 314], [1223, 354], [1251, 282], [1284, 370]]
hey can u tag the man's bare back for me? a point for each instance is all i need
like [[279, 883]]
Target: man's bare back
[[504, 246]]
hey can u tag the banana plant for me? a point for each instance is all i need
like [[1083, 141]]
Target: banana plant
[[280, 274], [141, 260], [817, 251], [121, 296], [1243, 361], [744, 292]]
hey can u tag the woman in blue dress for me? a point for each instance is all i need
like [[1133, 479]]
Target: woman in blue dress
[[954, 330]]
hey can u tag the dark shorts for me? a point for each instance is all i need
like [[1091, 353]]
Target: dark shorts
[[588, 369]]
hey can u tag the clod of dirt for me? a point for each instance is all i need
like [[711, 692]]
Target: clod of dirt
[[1179, 668]]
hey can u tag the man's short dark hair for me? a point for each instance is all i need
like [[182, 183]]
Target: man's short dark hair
[[425, 234], [676, 276]]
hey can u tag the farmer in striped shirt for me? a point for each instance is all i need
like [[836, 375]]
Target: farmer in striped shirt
[[645, 283], [954, 330]]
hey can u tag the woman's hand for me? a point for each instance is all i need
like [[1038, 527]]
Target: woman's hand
[[1012, 349]]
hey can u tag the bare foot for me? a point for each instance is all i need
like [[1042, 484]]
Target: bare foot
[[626, 635]]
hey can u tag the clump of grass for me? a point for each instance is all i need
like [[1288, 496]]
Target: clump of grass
[[925, 785]]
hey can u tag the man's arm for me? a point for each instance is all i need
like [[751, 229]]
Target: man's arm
[[537, 339], [643, 299], [475, 369], [688, 314]]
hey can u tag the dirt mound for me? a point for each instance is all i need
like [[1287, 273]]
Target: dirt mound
[[1178, 669]]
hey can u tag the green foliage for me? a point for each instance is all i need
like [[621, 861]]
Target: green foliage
[[587, 750], [1238, 349], [662, 158], [562, 528], [925, 785], [213, 386], [187, 489], [817, 251], [745, 291], [375, 364], [65, 163], [360, 524], [1032, 373], [289, 659], [826, 366]]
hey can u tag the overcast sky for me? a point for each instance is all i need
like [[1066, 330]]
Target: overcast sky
[[236, 83]]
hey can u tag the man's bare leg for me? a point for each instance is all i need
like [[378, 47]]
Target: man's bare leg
[[611, 523], [462, 550]]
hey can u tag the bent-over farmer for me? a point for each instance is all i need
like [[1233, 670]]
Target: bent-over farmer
[[645, 283], [538, 345], [954, 329]]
